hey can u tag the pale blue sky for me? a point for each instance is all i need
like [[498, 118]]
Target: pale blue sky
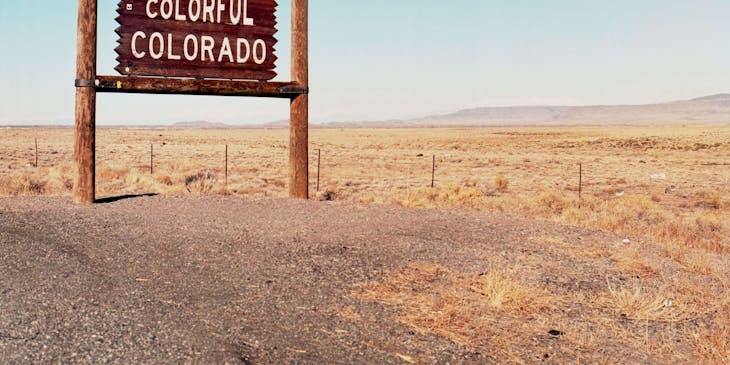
[[382, 59]]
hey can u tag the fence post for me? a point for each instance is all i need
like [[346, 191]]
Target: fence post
[[226, 164], [36, 152], [580, 183], [433, 172], [152, 162], [319, 161]]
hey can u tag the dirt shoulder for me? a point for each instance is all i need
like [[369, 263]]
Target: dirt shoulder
[[224, 280]]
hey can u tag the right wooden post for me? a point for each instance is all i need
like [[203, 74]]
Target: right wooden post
[[299, 122]]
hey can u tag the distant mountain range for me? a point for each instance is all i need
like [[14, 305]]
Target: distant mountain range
[[713, 109]]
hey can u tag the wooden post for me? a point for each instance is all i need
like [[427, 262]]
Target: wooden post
[[299, 107], [85, 128], [433, 172], [36, 153], [226, 167], [319, 163], [152, 159], [580, 183]]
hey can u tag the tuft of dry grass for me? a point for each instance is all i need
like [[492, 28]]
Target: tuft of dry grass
[[639, 303], [552, 203], [708, 200], [462, 308], [502, 314], [450, 196], [640, 216], [712, 343], [711, 339], [630, 216], [502, 292], [44, 181], [501, 183], [636, 262]]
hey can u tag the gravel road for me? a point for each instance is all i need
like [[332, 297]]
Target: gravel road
[[223, 280]]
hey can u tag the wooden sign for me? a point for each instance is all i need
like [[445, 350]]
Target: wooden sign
[[195, 47], [221, 39]]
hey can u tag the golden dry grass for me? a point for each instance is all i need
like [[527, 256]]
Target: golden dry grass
[[667, 189], [436, 300], [504, 315]]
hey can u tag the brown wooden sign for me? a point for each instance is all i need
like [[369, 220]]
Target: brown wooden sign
[[222, 39], [199, 47]]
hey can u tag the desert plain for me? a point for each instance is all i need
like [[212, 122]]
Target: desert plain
[[662, 194]]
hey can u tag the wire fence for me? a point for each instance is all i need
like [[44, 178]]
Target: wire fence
[[401, 169]]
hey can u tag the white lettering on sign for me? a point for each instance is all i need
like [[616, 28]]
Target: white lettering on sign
[[207, 11], [156, 52], [178, 16], [166, 9], [170, 54], [206, 45], [203, 48], [194, 14], [247, 55], [135, 52], [225, 51], [246, 19], [190, 39], [150, 14], [172, 41], [221, 8], [259, 51]]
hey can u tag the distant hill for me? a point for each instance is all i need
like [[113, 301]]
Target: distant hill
[[714, 109]]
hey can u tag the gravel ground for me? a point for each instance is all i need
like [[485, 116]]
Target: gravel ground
[[223, 280]]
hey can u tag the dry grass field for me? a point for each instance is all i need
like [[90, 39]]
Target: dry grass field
[[665, 189]]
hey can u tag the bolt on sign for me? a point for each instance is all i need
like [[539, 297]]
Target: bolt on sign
[[224, 39]]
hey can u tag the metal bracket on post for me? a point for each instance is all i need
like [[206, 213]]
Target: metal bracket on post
[[294, 90], [85, 83]]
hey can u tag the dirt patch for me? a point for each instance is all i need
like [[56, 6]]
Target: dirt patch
[[218, 279]]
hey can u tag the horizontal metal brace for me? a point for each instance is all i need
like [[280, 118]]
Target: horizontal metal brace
[[158, 85], [85, 83], [297, 90]]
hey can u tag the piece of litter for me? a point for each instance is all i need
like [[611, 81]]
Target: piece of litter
[[406, 358], [627, 241], [620, 194], [668, 303]]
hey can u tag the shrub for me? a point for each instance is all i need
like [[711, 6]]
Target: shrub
[[200, 183], [708, 200], [552, 201], [165, 180], [501, 183]]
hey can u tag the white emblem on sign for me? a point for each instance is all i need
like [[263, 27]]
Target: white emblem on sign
[[129, 7]]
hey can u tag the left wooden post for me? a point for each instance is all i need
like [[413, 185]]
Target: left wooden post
[[85, 131]]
